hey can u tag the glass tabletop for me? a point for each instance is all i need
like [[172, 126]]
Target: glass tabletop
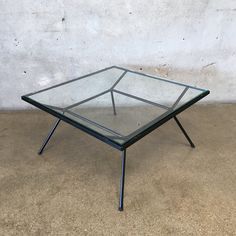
[[115, 102]]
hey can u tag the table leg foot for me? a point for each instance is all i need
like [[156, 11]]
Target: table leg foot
[[120, 208]]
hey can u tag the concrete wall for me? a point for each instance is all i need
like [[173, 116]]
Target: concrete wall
[[47, 42]]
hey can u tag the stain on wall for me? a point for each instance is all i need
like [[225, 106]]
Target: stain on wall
[[47, 42]]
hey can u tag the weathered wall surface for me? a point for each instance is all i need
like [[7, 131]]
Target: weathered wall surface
[[47, 42]]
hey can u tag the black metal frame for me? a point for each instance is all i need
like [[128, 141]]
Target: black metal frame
[[130, 139]]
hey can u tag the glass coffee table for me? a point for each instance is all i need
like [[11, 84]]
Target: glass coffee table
[[116, 105]]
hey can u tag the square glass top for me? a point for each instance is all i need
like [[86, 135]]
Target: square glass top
[[115, 103]]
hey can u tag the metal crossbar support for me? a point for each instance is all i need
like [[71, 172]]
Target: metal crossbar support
[[184, 132], [48, 137], [95, 123], [179, 98], [119, 79], [141, 99], [86, 100], [122, 180]]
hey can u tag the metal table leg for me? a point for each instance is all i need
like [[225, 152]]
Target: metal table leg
[[184, 132], [113, 103], [48, 137], [122, 181]]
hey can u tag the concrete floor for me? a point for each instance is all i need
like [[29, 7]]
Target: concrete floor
[[73, 188]]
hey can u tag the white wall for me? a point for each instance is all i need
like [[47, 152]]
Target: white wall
[[47, 42]]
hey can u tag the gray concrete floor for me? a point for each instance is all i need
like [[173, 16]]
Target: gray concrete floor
[[72, 189]]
